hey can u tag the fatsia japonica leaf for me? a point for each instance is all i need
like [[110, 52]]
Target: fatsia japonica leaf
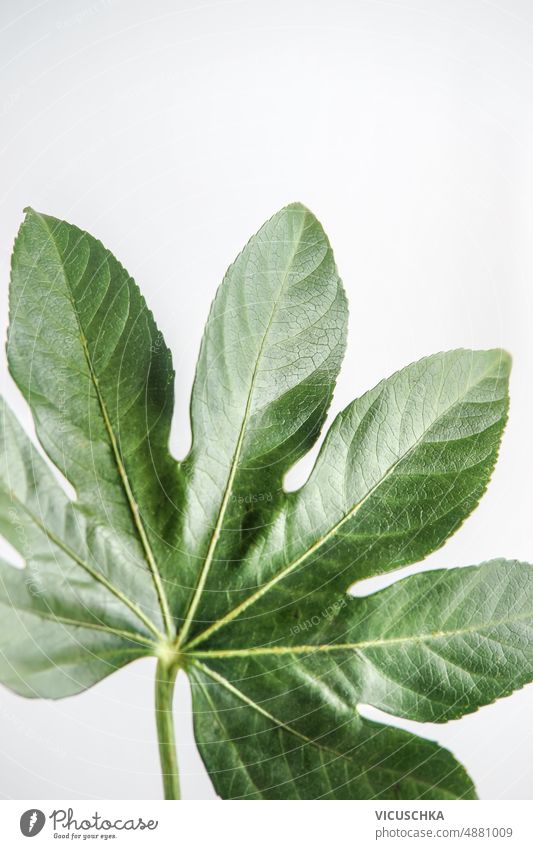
[[209, 564], [399, 470], [432, 647], [269, 359], [86, 354], [65, 621]]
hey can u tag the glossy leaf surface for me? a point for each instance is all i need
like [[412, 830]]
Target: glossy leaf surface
[[209, 564]]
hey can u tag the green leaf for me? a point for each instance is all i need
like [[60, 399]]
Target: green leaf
[[85, 352], [74, 562], [297, 748], [399, 470], [209, 564], [45, 654], [431, 647], [270, 355], [441, 644]]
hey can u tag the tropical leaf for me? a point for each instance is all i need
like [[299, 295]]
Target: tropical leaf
[[432, 647], [209, 564]]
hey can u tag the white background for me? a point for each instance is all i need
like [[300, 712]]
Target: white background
[[172, 130]]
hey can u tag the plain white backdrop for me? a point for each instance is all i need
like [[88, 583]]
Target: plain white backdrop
[[172, 130]]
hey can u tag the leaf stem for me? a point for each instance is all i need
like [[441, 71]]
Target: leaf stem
[[164, 691]]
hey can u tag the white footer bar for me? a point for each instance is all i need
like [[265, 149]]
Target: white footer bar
[[271, 825]]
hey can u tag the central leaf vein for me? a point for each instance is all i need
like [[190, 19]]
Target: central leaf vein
[[123, 475], [189, 617], [294, 564]]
